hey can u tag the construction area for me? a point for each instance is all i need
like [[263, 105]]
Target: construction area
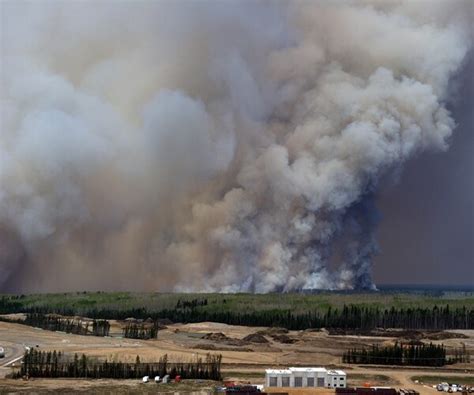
[[246, 353]]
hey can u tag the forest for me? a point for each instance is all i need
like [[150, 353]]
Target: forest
[[56, 364], [143, 331], [405, 354], [314, 311], [348, 317]]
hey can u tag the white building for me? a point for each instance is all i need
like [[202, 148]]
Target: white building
[[305, 377]]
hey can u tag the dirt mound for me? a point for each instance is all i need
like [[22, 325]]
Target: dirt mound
[[216, 337], [214, 347], [219, 337], [255, 338], [277, 334], [285, 339]]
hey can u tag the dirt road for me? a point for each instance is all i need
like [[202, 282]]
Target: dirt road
[[13, 352]]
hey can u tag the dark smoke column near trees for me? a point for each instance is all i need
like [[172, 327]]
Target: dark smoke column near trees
[[213, 146]]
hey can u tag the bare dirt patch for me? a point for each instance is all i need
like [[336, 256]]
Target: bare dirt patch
[[395, 333], [103, 386]]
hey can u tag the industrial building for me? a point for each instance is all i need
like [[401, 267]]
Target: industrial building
[[305, 377]]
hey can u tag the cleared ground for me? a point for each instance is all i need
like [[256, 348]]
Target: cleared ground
[[69, 386], [243, 360]]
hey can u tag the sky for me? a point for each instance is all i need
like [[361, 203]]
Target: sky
[[426, 234]]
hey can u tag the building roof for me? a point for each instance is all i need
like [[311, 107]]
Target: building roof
[[278, 371], [338, 372], [305, 370], [308, 370]]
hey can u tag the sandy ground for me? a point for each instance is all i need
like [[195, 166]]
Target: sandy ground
[[69, 386], [243, 361]]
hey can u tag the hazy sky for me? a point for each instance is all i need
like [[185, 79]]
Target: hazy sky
[[427, 230]]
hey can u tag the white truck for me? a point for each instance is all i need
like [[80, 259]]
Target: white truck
[[2, 352]]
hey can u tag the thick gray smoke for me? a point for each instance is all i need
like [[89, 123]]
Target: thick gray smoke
[[213, 145]]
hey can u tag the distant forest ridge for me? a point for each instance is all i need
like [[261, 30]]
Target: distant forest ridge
[[418, 288], [291, 311]]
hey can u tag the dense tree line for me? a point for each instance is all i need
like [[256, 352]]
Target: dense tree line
[[10, 306], [68, 325], [144, 331], [181, 304], [398, 354], [54, 364], [347, 317]]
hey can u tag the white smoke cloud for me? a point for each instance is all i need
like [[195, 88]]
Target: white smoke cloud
[[212, 145]]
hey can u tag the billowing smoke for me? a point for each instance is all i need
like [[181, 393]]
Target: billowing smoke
[[216, 145]]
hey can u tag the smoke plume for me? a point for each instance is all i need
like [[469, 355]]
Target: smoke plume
[[212, 146]]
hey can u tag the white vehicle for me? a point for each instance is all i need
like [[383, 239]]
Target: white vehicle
[[454, 388], [2, 352], [157, 379], [145, 379], [443, 387]]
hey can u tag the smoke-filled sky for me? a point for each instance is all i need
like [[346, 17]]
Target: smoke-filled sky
[[427, 232], [234, 146]]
